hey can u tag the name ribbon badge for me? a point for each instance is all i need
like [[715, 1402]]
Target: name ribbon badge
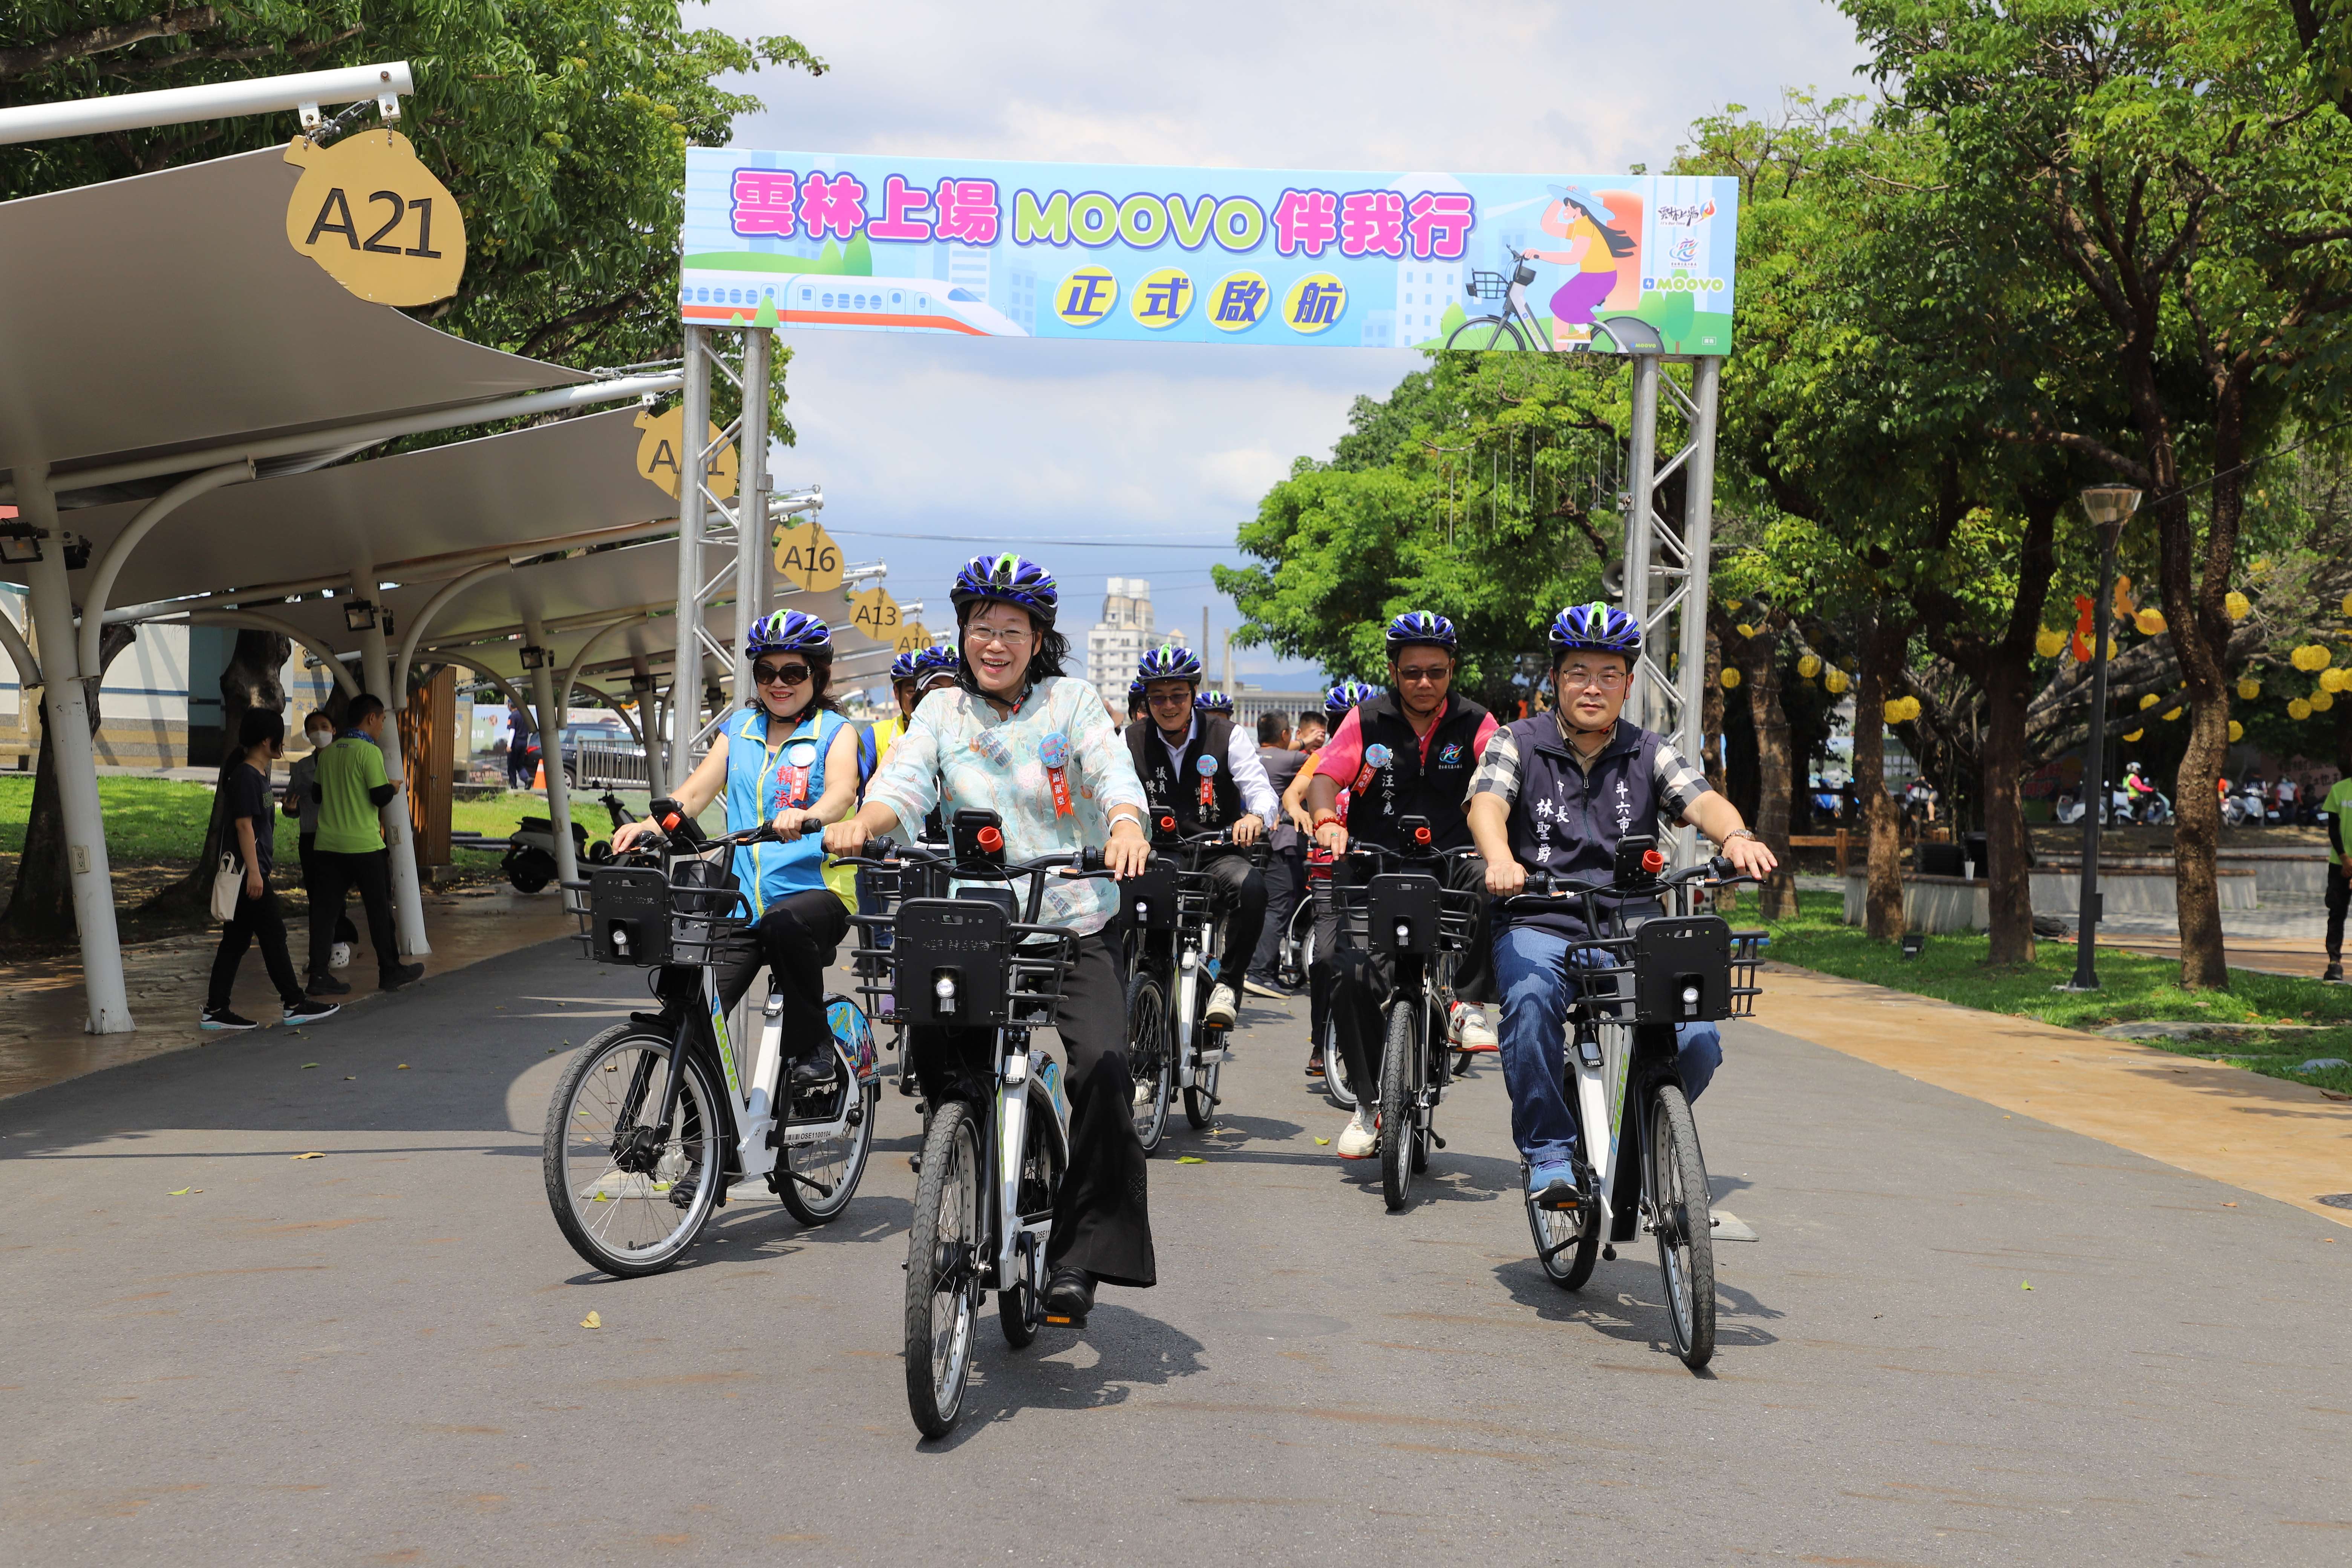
[[1207, 767], [1376, 757], [1054, 750], [792, 775]]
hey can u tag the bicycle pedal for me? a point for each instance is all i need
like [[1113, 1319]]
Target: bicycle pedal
[[1213, 1059]]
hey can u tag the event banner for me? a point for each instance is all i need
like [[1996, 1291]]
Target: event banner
[[1573, 263]]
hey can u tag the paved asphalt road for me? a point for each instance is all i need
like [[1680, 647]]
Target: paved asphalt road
[[377, 1356]]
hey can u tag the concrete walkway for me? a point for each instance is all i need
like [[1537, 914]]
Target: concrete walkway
[[1964, 1337]]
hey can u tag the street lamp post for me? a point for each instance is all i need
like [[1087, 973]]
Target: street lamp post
[[2108, 508]]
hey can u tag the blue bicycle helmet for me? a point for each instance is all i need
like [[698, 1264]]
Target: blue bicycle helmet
[[1595, 629], [903, 667], [1010, 580], [1420, 628], [1168, 661], [1213, 702], [790, 631], [1347, 695], [935, 660]]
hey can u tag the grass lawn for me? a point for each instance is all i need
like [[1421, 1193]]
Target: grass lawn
[[1952, 968]]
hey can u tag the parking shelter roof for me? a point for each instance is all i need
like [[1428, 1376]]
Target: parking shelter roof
[[396, 513], [167, 312]]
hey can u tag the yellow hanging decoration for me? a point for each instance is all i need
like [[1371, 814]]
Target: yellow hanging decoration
[[2238, 605], [2346, 605], [1730, 678], [1902, 709], [2149, 622], [2311, 656], [2171, 714], [2134, 735], [2237, 731], [1808, 665], [2321, 701], [2249, 688], [1836, 681], [2150, 700], [2333, 678], [2299, 710], [2050, 644]]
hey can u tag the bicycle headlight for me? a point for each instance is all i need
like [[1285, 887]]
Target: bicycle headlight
[[944, 988]]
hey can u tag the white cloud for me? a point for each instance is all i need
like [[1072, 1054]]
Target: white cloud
[[1051, 440]]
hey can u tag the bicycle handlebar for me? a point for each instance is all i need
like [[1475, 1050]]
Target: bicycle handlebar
[[1717, 872]]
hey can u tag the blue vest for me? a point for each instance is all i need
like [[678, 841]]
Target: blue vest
[[758, 772], [1568, 822]]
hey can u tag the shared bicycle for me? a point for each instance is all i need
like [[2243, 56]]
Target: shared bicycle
[[1175, 933], [1634, 1129], [657, 1118]]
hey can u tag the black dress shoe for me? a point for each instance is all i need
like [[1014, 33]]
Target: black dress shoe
[[813, 1072], [1069, 1297]]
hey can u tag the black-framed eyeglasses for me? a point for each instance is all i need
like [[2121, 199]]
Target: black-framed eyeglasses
[[779, 674]]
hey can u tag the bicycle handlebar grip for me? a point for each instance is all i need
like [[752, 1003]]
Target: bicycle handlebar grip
[[1091, 858]]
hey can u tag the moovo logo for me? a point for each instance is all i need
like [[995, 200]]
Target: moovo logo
[[1686, 217], [1682, 283]]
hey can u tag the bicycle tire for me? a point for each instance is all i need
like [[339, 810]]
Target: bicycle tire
[[1150, 1058], [1298, 949], [615, 1194], [1201, 1100], [1041, 1179], [1400, 1127], [1685, 1225], [1500, 327], [1336, 1086], [943, 1269], [806, 1205]]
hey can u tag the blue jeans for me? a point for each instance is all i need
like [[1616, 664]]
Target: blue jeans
[[1537, 975]]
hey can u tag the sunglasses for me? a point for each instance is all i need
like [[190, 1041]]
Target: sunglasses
[[779, 674]]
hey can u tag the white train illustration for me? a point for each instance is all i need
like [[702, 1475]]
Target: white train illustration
[[715, 298]]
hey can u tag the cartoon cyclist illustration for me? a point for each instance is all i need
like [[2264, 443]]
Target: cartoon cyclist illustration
[[1596, 245]]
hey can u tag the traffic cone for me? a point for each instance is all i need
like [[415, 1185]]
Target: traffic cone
[[538, 780]]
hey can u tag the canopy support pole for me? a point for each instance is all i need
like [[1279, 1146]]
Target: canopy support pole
[[693, 436], [28, 668], [65, 702], [100, 583], [751, 511], [649, 729], [551, 752], [432, 607], [399, 842]]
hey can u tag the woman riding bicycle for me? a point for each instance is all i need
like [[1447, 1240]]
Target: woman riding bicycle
[[990, 744], [791, 759]]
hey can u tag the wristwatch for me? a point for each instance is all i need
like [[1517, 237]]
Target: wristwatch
[[1740, 833]]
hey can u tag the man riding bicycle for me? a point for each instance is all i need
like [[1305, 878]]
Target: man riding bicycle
[[1337, 703], [1408, 754], [1200, 770], [913, 676], [1554, 792], [789, 758]]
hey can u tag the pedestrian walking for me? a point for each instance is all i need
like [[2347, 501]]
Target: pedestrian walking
[[352, 792], [522, 754], [1285, 865], [302, 803], [2332, 810], [262, 736]]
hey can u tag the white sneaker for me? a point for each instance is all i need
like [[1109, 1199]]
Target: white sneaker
[[1471, 1030], [1358, 1140], [340, 956], [1220, 1006]]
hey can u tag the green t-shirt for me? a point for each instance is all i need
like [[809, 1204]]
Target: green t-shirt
[[2335, 807], [349, 823]]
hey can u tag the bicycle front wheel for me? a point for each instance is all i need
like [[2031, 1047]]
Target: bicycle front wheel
[[1685, 1225], [630, 1198], [1486, 332], [1299, 949], [1151, 1057], [944, 1258], [1399, 1118], [1336, 1086]]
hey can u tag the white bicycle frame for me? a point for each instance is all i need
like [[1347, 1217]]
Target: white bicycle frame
[[749, 1098], [1012, 1132], [1600, 1107]]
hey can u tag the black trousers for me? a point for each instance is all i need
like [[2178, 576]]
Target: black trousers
[[338, 876], [1102, 1221], [795, 938], [1241, 891], [308, 844], [2339, 896], [257, 919], [1285, 884], [1358, 982]]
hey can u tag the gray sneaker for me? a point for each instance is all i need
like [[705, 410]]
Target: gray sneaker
[[311, 1011]]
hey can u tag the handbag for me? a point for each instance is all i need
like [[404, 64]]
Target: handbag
[[227, 883]]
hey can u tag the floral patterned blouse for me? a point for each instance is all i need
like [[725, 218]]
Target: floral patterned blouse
[[958, 754]]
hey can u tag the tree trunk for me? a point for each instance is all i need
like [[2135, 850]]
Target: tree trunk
[[40, 906], [249, 681], [1759, 660], [2010, 890], [1883, 641], [1710, 715]]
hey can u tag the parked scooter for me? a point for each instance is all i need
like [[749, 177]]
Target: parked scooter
[[529, 861]]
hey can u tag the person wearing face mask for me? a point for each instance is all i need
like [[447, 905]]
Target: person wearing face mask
[[256, 918], [1020, 738], [1554, 792], [789, 758], [302, 803]]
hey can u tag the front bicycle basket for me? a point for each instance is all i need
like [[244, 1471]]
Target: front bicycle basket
[[1682, 970], [1148, 901], [1747, 951], [624, 914], [708, 912], [1487, 286], [1402, 910]]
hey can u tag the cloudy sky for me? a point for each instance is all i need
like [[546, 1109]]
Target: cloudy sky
[[1157, 451]]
